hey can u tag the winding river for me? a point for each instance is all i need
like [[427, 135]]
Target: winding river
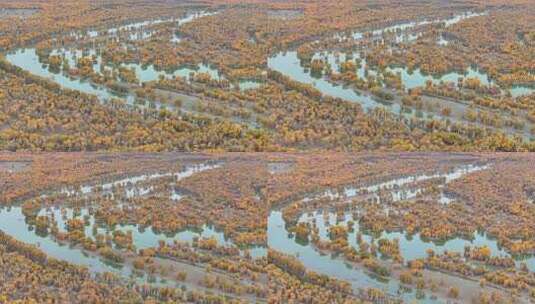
[[411, 246], [28, 60], [15, 223], [286, 63], [289, 64]]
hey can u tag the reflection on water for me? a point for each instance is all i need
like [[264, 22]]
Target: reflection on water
[[16, 224], [395, 186], [12, 222], [399, 30], [279, 239], [139, 30], [289, 64], [442, 41], [176, 37], [107, 188], [28, 60], [245, 85], [411, 246]]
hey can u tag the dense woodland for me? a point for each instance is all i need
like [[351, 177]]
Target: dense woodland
[[201, 113], [103, 203], [300, 116]]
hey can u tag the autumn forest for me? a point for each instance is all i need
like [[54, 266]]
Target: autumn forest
[[267, 151]]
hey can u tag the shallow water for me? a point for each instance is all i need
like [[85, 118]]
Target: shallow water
[[176, 37], [395, 186], [14, 223], [279, 240], [28, 60], [289, 64], [141, 29], [399, 29], [245, 85], [411, 246], [133, 180]]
